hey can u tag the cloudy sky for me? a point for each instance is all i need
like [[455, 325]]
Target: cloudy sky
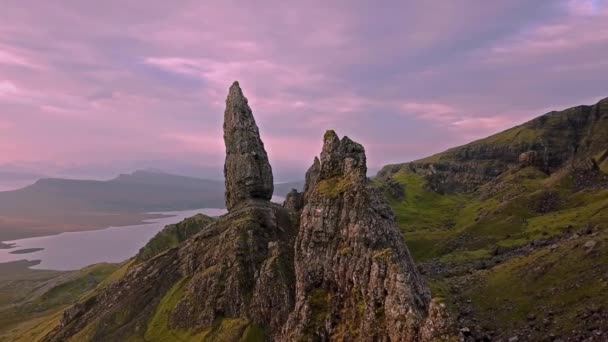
[[100, 87]]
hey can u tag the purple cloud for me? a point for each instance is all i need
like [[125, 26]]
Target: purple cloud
[[112, 86]]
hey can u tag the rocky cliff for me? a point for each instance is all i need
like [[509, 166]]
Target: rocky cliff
[[548, 142], [355, 279], [329, 265]]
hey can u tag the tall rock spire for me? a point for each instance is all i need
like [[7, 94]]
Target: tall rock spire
[[247, 171]]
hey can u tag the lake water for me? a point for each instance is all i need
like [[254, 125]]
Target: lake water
[[74, 250]]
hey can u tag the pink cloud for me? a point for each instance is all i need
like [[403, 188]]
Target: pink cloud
[[8, 88], [149, 81], [583, 27], [10, 58], [430, 111], [210, 143]]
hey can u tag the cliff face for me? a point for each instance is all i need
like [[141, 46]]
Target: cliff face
[[355, 279], [254, 275], [548, 142]]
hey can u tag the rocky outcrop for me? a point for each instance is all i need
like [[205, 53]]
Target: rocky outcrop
[[231, 280], [294, 201], [247, 171], [529, 158], [355, 279], [243, 276]]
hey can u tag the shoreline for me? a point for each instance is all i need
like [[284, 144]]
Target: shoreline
[[120, 220]]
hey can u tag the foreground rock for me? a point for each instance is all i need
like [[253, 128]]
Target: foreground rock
[[355, 279]]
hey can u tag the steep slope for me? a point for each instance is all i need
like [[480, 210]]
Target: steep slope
[[243, 278], [32, 300], [511, 232]]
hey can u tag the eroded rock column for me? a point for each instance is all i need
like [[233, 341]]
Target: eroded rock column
[[247, 171]]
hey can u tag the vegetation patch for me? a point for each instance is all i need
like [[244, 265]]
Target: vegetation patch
[[345, 251], [319, 302], [159, 327], [333, 187]]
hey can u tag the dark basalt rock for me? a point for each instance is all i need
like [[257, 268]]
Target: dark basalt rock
[[247, 170]]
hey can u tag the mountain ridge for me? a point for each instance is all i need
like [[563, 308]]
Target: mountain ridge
[[550, 140]]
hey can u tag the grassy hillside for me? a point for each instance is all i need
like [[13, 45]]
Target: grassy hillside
[[521, 253], [31, 301]]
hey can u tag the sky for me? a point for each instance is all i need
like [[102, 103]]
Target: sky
[[95, 88]]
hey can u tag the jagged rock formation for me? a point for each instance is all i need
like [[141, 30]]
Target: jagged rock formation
[[241, 277], [355, 279], [548, 142], [294, 201], [247, 170]]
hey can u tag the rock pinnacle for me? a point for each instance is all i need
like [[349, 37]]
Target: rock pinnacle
[[247, 171]]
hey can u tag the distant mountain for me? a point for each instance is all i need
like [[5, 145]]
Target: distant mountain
[[12, 175], [11, 180], [53, 205]]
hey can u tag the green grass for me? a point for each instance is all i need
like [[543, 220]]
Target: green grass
[[504, 215], [319, 301], [465, 255], [423, 209], [333, 187], [158, 328], [457, 226], [565, 281], [225, 329], [27, 320]]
